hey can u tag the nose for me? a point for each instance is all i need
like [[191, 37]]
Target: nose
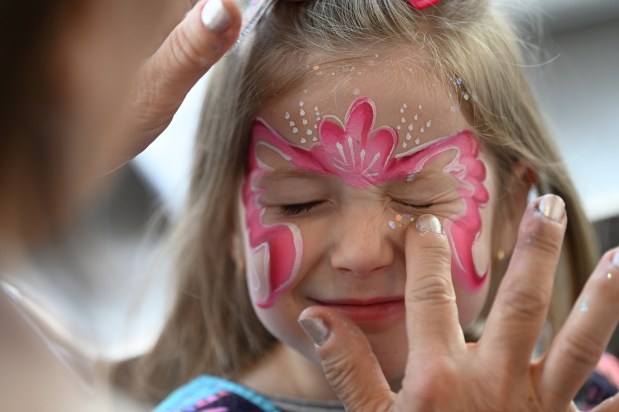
[[361, 245]]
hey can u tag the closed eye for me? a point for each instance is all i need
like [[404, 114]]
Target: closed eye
[[416, 206], [298, 208]]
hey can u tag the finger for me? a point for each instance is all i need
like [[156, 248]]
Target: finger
[[160, 86], [347, 360], [431, 313], [201, 39], [519, 310], [577, 348], [609, 405]]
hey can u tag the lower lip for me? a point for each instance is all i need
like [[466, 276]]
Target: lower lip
[[370, 313]]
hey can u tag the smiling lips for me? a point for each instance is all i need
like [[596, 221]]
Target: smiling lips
[[367, 311]]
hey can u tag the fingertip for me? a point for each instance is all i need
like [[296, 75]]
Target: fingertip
[[348, 362], [314, 326], [543, 224], [427, 237], [219, 16], [236, 17], [551, 207], [324, 325]]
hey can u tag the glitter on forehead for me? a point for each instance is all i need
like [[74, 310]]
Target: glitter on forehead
[[410, 128], [301, 126], [362, 155]]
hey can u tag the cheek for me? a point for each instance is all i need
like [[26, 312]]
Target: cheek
[[471, 300], [466, 233], [273, 254]]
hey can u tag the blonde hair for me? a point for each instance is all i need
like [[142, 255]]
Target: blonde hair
[[213, 328]]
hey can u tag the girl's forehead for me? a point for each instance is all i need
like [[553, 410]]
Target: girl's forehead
[[419, 109]]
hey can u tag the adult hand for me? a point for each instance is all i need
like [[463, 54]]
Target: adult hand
[[443, 372], [163, 81]]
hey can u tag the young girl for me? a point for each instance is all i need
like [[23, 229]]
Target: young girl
[[339, 125]]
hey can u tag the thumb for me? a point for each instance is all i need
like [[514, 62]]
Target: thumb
[[347, 360], [163, 81], [201, 39]]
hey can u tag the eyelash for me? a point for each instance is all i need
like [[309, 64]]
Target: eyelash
[[426, 206], [299, 208]]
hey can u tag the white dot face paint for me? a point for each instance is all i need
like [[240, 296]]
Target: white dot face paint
[[361, 156]]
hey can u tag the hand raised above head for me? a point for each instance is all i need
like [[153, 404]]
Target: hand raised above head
[[160, 86]]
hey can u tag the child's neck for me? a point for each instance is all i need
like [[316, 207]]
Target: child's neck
[[285, 373]]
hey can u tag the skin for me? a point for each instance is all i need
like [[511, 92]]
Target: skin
[[121, 77], [343, 247]]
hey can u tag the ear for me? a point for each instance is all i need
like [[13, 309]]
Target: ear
[[514, 200]]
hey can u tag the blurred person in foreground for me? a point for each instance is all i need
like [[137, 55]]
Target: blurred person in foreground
[[86, 85]]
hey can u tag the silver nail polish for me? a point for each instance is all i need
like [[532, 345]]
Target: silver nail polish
[[616, 259], [553, 207], [315, 329], [428, 224], [215, 16]]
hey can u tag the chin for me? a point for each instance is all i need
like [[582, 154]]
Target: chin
[[391, 351]]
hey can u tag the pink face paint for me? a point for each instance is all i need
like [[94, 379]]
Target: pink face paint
[[360, 156]]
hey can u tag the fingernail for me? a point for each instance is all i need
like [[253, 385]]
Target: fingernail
[[428, 224], [616, 259], [553, 207], [315, 329], [215, 16]]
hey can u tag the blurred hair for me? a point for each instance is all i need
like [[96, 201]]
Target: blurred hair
[[32, 179], [213, 328]]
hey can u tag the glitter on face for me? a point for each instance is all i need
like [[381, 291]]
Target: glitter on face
[[584, 306], [411, 126], [361, 156], [401, 220], [307, 129]]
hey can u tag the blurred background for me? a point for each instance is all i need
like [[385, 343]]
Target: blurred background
[[106, 281]]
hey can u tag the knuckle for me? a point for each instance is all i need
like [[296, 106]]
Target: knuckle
[[343, 374], [439, 382], [341, 369], [582, 350], [432, 288], [183, 49], [525, 302], [435, 248], [544, 237]]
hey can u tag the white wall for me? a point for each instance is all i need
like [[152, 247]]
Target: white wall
[[579, 94]]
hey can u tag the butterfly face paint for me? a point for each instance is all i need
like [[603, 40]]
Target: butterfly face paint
[[360, 156]]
